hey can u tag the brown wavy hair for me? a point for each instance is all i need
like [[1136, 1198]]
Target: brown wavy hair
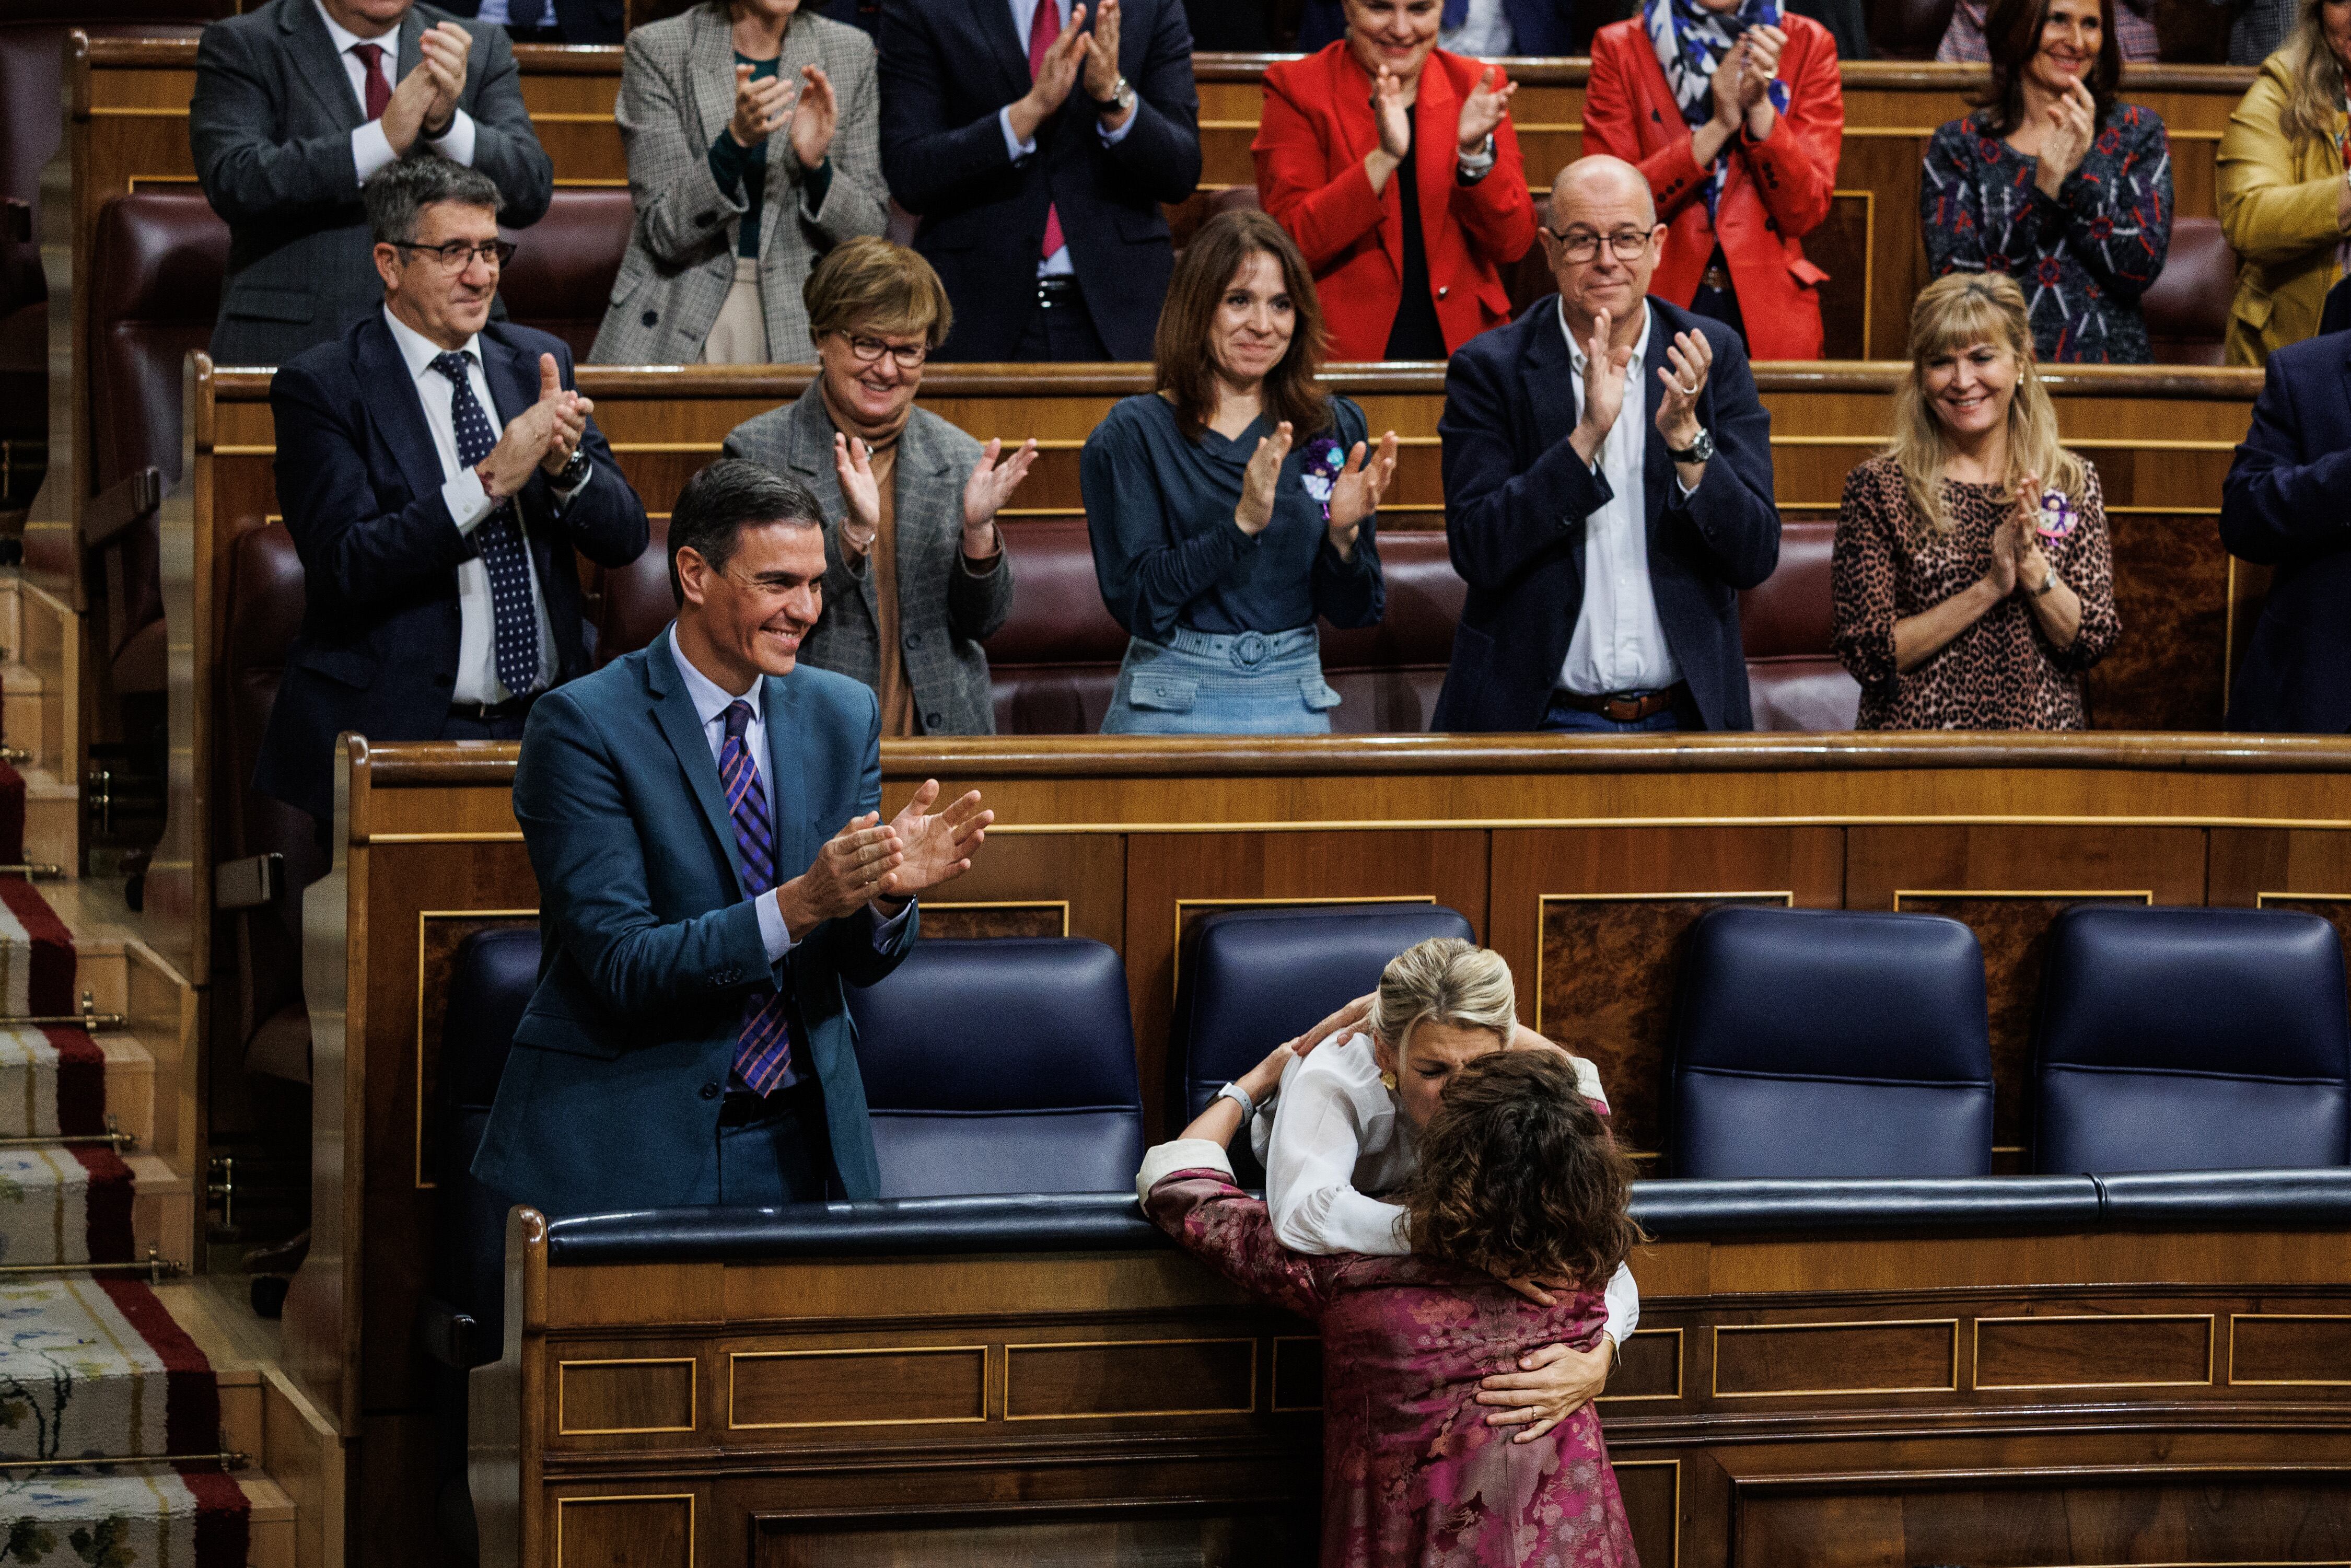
[[2012, 32], [1519, 1177], [2314, 77], [1185, 364]]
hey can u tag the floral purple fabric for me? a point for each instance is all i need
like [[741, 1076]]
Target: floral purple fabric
[[1411, 1473], [2083, 257]]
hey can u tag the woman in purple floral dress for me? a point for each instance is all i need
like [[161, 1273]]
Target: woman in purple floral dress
[[1518, 1178], [2056, 184]]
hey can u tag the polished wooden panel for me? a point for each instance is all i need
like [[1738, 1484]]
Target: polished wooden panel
[[1652, 1494], [873, 1385], [1298, 1373], [2290, 1350], [970, 922], [1085, 1381], [1648, 1366], [1804, 1359], [612, 1395], [2093, 1351], [643, 1531]]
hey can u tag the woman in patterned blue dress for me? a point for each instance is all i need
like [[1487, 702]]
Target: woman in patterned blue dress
[[2055, 183]]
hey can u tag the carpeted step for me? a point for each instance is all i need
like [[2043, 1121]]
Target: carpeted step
[[65, 1205], [132, 1516], [100, 1368], [52, 1082], [37, 951]]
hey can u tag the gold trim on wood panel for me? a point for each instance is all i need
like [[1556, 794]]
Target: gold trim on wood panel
[[742, 1356], [2088, 442], [1636, 1398], [1787, 898], [693, 1394], [1675, 1560], [1175, 983], [501, 836], [687, 1498], [2237, 1381], [2261, 900], [1273, 1395], [422, 916], [2207, 1318], [2145, 895], [1714, 1373], [1430, 824], [1121, 1415], [1061, 904]]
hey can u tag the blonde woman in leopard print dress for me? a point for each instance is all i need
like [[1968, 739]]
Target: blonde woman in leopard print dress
[[1972, 577]]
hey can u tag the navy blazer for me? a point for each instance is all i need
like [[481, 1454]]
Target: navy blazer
[[2281, 507], [947, 67], [651, 945], [1516, 496], [359, 481]]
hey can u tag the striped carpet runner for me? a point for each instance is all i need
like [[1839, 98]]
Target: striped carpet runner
[[91, 1366]]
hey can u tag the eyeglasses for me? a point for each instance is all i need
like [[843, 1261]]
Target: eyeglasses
[[1580, 245], [459, 254], [869, 350]]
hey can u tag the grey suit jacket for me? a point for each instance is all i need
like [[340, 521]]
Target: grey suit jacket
[[945, 611], [677, 93], [271, 127]]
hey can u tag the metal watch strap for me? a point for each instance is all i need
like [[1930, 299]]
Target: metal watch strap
[[1699, 451]]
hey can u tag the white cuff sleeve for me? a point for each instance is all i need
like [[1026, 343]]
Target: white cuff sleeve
[[885, 931], [370, 149], [1013, 147], [1112, 138], [1181, 1155], [457, 144], [1479, 166], [565, 497], [1623, 1299], [1587, 1078], [777, 940], [468, 502]]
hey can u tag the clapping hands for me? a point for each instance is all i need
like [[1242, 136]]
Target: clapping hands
[[1356, 490], [1482, 110], [2072, 127]]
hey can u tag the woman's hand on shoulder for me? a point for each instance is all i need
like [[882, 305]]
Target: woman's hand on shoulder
[[1551, 1384]]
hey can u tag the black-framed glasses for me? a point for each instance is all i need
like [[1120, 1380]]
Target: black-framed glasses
[[459, 254], [869, 350], [1580, 245]]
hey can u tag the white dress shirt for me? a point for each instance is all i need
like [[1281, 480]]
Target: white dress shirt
[[1619, 643], [469, 504], [1024, 13], [1485, 31], [1335, 1137], [711, 701], [370, 149]]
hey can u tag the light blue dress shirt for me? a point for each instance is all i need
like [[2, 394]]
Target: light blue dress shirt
[[1024, 13]]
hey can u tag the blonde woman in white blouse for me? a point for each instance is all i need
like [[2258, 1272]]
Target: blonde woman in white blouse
[[1341, 1126]]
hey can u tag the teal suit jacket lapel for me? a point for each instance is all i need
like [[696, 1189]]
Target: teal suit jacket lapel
[[788, 784], [673, 708]]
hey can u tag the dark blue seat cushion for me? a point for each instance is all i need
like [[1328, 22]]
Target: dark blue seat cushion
[[2192, 1039], [1253, 978], [1830, 1043], [491, 978], [1001, 1066]]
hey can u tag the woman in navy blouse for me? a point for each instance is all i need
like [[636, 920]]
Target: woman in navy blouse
[[2055, 183], [1236, 504]]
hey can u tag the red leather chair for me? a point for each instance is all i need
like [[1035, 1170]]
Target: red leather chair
[[1389, 674], [1793, 678], [2187, 311], [257, 581], [156, 260], [564, 265], [1055, 662]]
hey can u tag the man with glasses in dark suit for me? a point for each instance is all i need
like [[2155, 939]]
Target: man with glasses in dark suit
[[437, 471]]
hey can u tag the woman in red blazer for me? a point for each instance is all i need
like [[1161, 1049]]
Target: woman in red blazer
[[1394, 165], [1739, 147]]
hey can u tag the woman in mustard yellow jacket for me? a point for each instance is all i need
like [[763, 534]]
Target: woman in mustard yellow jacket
[[2285, 201]]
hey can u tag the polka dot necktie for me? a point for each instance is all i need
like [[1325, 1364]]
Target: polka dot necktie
[[763, 1043], [499, 538]]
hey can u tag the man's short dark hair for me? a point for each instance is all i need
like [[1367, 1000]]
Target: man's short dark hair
[[397, 194], [723, 498]]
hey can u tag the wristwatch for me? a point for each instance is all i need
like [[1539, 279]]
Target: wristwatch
[[574, 470], [1121, 98], [2048, 583], [1699, 451]]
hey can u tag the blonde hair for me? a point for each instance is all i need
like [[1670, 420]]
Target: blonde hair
[[2314, 94], [1954, 313], [1444, 981], [869, 282]]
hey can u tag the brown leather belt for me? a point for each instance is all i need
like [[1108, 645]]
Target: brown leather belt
[[1716, 276], [1623, 707]]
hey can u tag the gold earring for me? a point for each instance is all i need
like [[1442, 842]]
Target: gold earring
[[1387, 1081]]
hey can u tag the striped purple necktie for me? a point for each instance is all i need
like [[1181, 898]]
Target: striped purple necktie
[[763, 1048]]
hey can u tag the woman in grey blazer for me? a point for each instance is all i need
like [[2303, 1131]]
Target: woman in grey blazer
[[917, 575], [751, 138]]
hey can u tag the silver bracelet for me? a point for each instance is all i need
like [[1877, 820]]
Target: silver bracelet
[[2047, 584]]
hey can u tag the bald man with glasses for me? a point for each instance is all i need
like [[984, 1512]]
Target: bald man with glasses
[[1607, 491], [440, 475]]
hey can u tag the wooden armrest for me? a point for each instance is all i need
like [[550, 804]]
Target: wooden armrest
[[133, 496]]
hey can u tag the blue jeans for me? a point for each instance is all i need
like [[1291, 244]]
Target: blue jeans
[[1202, 683], [1561, 718]]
